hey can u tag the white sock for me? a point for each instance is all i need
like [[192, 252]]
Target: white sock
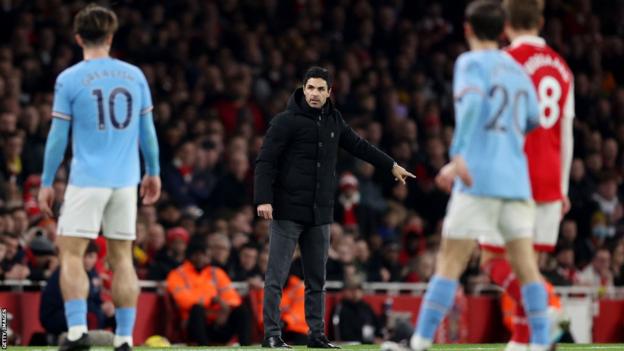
[[418, 343], [120, 340], [536, 347], [515, 346], [74, 333]]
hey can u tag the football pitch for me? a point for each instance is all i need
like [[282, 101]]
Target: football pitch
[[455, 347]]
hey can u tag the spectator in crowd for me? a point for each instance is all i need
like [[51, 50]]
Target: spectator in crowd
[[206, 173], [14, 264], [363, 265], [170, 256], [349, 211], [12, 167], [239, 223], [169, 215], [352, 318], [220, 248], [387, 263], [370, 191], [237, 107], [608, 203], [617, 263], [20, 222], [209, 305], [420, 268], [345, 256], [414, 241], [389, 229], [180, 177], [598, 273], [598, 238], [233, 190], [569, 233], [247, 265], [156, 239], [564, 272]]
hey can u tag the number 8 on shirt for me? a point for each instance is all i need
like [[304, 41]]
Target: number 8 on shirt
[[549, 147]]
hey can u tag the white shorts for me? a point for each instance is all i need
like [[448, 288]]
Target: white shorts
[[474, 217], [86, 210], [547, 220]]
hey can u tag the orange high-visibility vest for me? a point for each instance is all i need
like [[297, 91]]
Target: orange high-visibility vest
[[293, 306], [189, 287], [224, 288]]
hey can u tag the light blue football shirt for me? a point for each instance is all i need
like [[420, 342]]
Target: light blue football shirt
[[104, 99], [495, 106]]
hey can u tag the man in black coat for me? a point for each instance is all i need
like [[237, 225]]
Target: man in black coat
[[295, 180], [353, 318]]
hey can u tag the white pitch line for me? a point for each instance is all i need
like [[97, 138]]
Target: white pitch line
[[562, 348]]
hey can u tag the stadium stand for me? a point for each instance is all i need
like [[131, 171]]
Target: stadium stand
[[220, 69]]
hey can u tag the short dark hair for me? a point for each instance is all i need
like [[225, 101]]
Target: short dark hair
[[94, 23], [318, 72], [487, 19], [606, 177], [524, 14], [250, 246], [197, 243]]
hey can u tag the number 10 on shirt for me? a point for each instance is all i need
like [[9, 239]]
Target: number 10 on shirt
[[112, 99]]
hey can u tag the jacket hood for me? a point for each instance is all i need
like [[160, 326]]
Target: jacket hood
[[297, 104]]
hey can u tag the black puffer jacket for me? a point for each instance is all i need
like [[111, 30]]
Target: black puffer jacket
[[296, 167]]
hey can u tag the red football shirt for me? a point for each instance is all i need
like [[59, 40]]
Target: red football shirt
[[554, 84]]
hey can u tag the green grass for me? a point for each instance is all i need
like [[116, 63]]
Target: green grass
[[465, 347]]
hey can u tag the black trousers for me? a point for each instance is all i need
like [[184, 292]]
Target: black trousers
[[313, 242], [204, 333]]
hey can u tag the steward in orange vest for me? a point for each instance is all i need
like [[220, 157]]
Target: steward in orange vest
[[210, 306]]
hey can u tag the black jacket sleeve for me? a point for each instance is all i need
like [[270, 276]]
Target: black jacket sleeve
[[360, 148], [275, 140]]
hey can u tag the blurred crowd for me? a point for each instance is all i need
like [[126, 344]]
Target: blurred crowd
[[219, 70]]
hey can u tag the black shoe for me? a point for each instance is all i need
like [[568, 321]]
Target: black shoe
[[275, 342], [124, 347], [320, 342], [80, 344]]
